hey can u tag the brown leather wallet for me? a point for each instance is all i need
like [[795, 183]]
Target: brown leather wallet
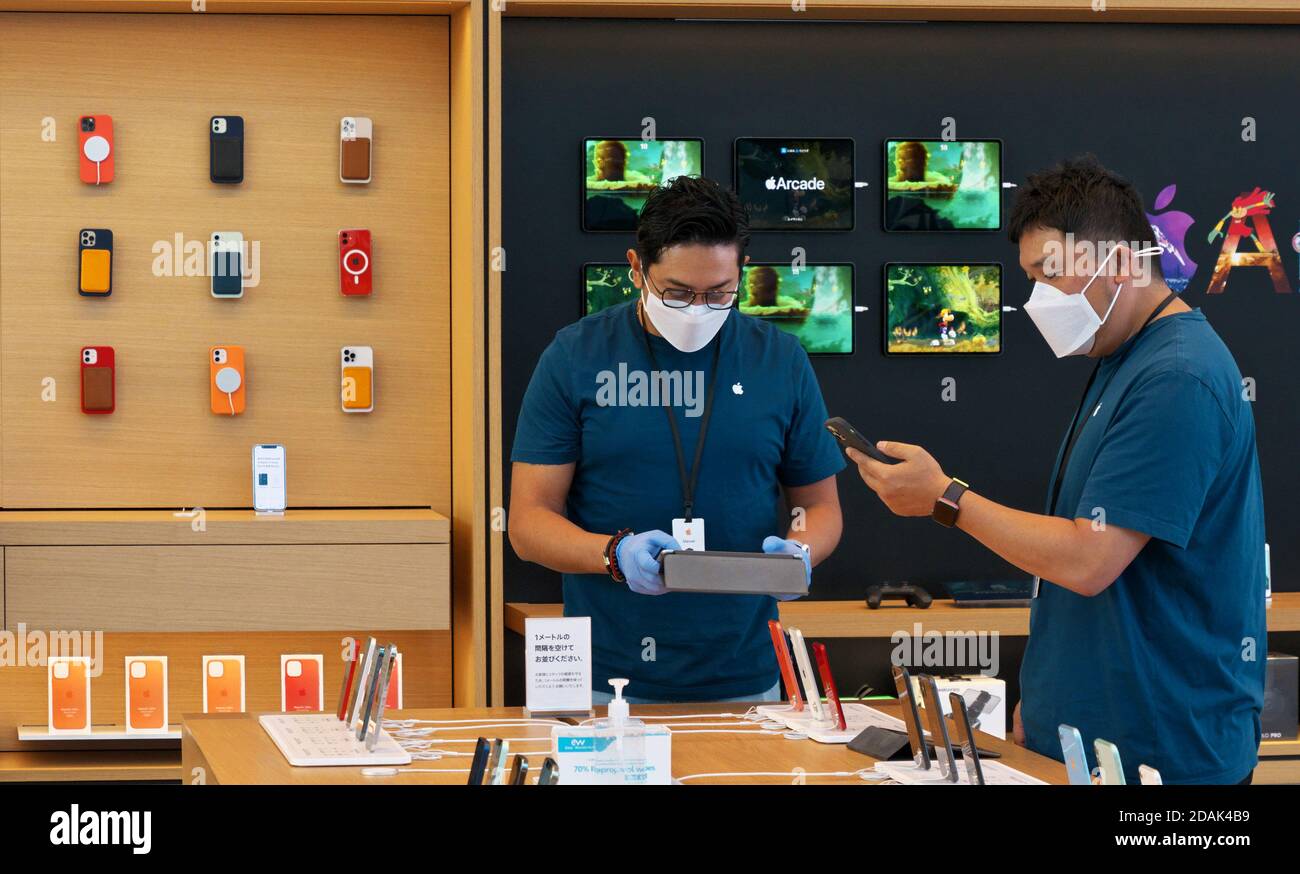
[[356, 159]]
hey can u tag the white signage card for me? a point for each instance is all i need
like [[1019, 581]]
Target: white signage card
[[557, 664]]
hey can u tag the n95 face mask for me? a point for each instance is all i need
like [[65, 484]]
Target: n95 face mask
[[689, 328], [1068, 322]]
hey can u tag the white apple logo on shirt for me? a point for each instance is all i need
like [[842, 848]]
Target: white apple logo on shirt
[[738, 389]]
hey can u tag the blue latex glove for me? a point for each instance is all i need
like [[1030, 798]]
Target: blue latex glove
[[638, 559], [777, 545]]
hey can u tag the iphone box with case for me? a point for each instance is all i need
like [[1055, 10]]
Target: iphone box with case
[[146, 693], [986, 701], [69, 694], [1281, 713], [223, 684], [302, 683]]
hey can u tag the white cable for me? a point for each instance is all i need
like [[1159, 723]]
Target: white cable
[[730, 731], [502, 719], [861, 773]]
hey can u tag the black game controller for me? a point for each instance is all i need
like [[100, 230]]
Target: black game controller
[[914, 595]]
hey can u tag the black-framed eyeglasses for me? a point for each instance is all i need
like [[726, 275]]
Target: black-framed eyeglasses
[[679, 298]]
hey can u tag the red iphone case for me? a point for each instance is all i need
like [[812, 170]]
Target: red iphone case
[[96, 173], [98, 380], [355, 271]]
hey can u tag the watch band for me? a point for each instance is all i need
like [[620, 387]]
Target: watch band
[[948, 506], [611, 556]]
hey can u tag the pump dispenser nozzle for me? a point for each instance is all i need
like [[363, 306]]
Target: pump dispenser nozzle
[[618, 710]]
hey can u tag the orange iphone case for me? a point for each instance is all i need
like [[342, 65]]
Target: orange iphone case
[[223, 690], [220, 360], [69, 696], [146, 694]]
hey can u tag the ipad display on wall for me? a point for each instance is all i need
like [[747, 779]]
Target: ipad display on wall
[[931, 185], [943, 309], [803, 184], [814, 302], [605, 284], [618, 174]]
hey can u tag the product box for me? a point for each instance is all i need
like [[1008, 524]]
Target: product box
[[223, 684], [68, 690], [592, 756], [1281, 713], [146, 694], [986, 700]]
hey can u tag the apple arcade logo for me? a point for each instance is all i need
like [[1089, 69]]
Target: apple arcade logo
[[655, 388], [780, 183]]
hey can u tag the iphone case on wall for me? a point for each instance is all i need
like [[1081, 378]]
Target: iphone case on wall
[[358, 385], [95, 148], [223, 684], [355, 134], [226, 149], [227, 264], [355, 273], [98, 379], [69, 693], [226, 379], [146, 693], [95, 262], [302, 683]]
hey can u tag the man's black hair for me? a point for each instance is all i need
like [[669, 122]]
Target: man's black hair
[[1080, 196], [690, 209]]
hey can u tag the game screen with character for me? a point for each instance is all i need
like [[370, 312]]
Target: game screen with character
[[815, 303], [943, 186], [944, 308], [803, 185], [619, 174]]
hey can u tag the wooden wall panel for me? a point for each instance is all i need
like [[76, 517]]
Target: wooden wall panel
[[426, 657], [228, 588], [161, 77]]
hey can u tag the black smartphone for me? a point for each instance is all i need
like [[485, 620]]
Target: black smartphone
[[478, 767], [518, 771], [911, 718], [970, 755], [550, 773], [850, 438], [938, 729], [226, 149]]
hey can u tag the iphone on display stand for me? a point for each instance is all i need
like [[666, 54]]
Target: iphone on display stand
[[1076, 760], [828, 683], [911, 717], [356, 275], [269, 478], [806, 675], [782, 650], [355, 159], [1112, 772], [478, 765], [357, 388], [970, 756], [227, 264], [1149, 776], [938, 729], [98, 380], [95, 148]]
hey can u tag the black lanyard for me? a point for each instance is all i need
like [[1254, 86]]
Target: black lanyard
[[1076, 431], [688, 484]]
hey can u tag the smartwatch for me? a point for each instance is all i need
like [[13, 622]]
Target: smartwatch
[[946, 508]]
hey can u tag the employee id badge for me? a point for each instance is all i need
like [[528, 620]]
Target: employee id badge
[[689, 534]]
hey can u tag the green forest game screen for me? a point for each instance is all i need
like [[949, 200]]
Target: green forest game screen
[[619, 174], [943, 308], [943, 186]]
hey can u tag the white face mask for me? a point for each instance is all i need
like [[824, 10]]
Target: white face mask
[[688, 328], [1068, 322]]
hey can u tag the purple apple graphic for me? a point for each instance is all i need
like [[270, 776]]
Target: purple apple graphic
[[1170, 230]]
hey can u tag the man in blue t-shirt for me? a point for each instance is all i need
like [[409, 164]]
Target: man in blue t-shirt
[[1149, 628], [670, 418]]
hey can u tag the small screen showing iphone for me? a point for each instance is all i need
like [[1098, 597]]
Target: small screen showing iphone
[[269, 478]]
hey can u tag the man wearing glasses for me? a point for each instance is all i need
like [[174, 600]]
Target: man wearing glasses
[[674, 421]]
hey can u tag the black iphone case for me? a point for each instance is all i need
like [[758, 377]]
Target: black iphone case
[[226, 163]]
